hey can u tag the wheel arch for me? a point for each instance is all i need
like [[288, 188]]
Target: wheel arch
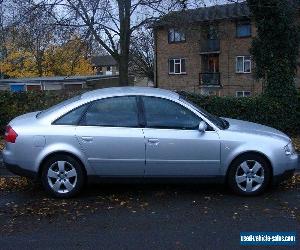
[[246, 153], [61, 152]]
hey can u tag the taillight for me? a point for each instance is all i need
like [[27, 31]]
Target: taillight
[[10, 135]]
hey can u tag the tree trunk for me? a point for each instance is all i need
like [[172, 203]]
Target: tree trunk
[[123, 71], [39, 62], [124, 14]]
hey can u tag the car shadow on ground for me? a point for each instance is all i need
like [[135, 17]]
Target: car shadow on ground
[[32, 190]]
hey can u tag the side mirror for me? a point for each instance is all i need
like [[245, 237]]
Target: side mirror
[[202, 126]]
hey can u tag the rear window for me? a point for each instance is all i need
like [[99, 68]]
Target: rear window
[[57, 107], [71, 118]]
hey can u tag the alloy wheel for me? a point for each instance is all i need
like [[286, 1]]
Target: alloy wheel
[[62, 177], [249, 176]]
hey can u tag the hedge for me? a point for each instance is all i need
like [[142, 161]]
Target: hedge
[[256, 109], [15, 104]]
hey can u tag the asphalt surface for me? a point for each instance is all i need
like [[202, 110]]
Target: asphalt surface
[[142, 216]]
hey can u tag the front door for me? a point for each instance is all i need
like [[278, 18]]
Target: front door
[[111, 139], [174, 145], [213, 63]]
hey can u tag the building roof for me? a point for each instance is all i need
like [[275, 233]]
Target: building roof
[[53, 79], [206, 14], [106, 60]]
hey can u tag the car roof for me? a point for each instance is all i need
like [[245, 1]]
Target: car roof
[[121, 91]]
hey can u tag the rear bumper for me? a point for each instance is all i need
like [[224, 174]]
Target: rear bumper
[[15, 169]]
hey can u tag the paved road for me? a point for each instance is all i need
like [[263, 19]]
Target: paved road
[[142, 216], [3, 171]]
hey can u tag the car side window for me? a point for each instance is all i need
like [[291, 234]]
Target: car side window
[[112, 112], [163, 113], [71, 118]]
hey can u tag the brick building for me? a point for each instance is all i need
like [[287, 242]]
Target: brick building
[[208, 52]]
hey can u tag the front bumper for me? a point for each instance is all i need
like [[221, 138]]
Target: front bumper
[[15, 169], [292, 166]]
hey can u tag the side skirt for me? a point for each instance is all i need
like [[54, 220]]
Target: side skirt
[[156, 179]]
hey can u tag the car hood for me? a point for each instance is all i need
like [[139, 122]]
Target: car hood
[[254, 128]]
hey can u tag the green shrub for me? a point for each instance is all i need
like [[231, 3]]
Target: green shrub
[[256, 109], [15, 104]]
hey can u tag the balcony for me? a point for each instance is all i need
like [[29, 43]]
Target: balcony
[[210, 46], [210, 79]]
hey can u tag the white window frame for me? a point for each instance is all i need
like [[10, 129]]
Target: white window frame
[[244, 61], [177, 63], [243, 93]]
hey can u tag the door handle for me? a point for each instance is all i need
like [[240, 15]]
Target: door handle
[[153, 141], [87, 138]]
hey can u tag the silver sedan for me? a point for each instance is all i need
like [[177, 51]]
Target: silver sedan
[[143, 133]]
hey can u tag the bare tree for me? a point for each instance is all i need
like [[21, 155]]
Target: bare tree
[[111, 23], [34, 33], [5, 7], [142, 54]]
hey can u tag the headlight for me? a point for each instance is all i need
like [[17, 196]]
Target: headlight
[[289, 149]]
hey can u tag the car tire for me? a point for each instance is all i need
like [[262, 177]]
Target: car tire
[[62, 176], [249, 175]]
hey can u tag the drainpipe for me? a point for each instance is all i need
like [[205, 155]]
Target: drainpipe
[[155, 59]]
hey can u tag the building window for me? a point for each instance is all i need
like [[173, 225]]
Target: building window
[[109, 70], [176, 36], [243, 93], [17, 87], [177, 66], [213, 32], [243, 64], [99, 70], [243, 29]]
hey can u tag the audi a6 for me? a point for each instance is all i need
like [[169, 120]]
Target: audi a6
[[146, 134]]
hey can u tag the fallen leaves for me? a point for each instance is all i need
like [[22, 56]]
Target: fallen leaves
[[296, 142], [291, 183], [14, 183], [235, 216], [1, 143], [37, 207]]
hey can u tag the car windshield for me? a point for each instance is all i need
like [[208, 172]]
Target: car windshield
[[58, 106], [219, 122]]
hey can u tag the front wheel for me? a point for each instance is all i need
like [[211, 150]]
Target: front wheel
[[62, 176], [249, 175]]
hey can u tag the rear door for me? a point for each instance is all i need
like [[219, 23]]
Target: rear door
[[111, 138]]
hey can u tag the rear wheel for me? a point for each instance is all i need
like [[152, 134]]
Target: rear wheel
[[249, 175], [62, 176]]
